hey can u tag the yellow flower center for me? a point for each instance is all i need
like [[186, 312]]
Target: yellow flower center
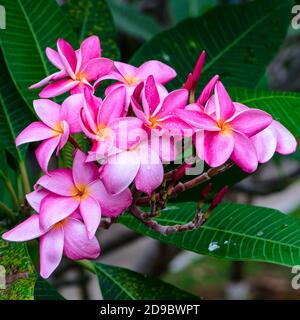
[[103, 132], [131, 80], [81, 192], [80, 76], [58, 128], [154, 122]]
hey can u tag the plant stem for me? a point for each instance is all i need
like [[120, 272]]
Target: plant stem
[[86, 264], [7, 212], [24, 176], [11, 190], [74, 143]]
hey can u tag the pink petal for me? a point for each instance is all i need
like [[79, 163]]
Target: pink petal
[[91, 214], [150, 174], [25, 231], [89, 49], [250, 122], [45, 150], [70, 112], [137, 109], [48, 111], [120, 171], [240, 107], [174, 101], [111, 205], [151, 95], [54, 58], [199, 120], [244, 153], [96, 68], [64, 136], [36, 131], [224, 105], [125, 69], [164, 146], [51, 250], [113, 87], [34, 198], [57, 88], [83, 172], [177, 127], [161, 72], [286, 142], [218, 147], [54, 76], [67, 56], [77, 245], [265, 144], [207, 91], [198, 140], [55, 208], [112, 107], [59, 181]]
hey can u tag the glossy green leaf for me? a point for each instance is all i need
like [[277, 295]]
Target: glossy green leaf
[[130, 20], [19, 271], [122, 284], [240, 41], [93, 17], [234, 231], [43, 290], [31, 26]]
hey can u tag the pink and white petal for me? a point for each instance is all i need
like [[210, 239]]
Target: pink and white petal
[[210, 106], [113, 87], [244, 153], [70, 111], [77, 245], [207, 91], [25, 231], [64, 137], [161, 72], [55, 208], [91, 214], [265, 145], [194, 107], [218, 147], [224, 105], [112, 107], [48, 111], [57, 88], [198, 140], [51, 251], [54, 76], [45, 150], [111, 204], [97, 68], [164, 146], [120, 171], [36, 131], [250, 122], [67, 56], [151, 95], [240, 107], [59, 181], [176, 127], [113, 75], [34, 198], [137, 109], [54, 58], [83, 172], [126, 70], [89, 49], [150, 174], [198, 120], [286, 142], [175, 100]]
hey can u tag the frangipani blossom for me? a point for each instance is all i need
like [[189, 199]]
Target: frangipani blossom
[[275, 138], [77, 189], [106, 126], [226, 132], [129, 76], [67, 236], [57, 123], [77, 69]]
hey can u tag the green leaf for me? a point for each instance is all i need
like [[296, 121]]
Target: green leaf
[[130, 20], [240, 41], [14, 114], [283, 106], [31, 26], [43, 290], [94, 17], [234, 231], [190, 8], [19, 271], [121, 284]]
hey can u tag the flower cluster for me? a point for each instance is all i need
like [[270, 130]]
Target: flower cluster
[[133, 132]]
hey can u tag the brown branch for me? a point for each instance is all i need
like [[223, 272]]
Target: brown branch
[[74, 143]]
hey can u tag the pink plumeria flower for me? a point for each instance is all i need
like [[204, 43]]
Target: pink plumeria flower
[[224, 133], [67, 236], [56, 125], [105, 125], [129, 76], [275, 138], [77, 69], [77, 189]]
